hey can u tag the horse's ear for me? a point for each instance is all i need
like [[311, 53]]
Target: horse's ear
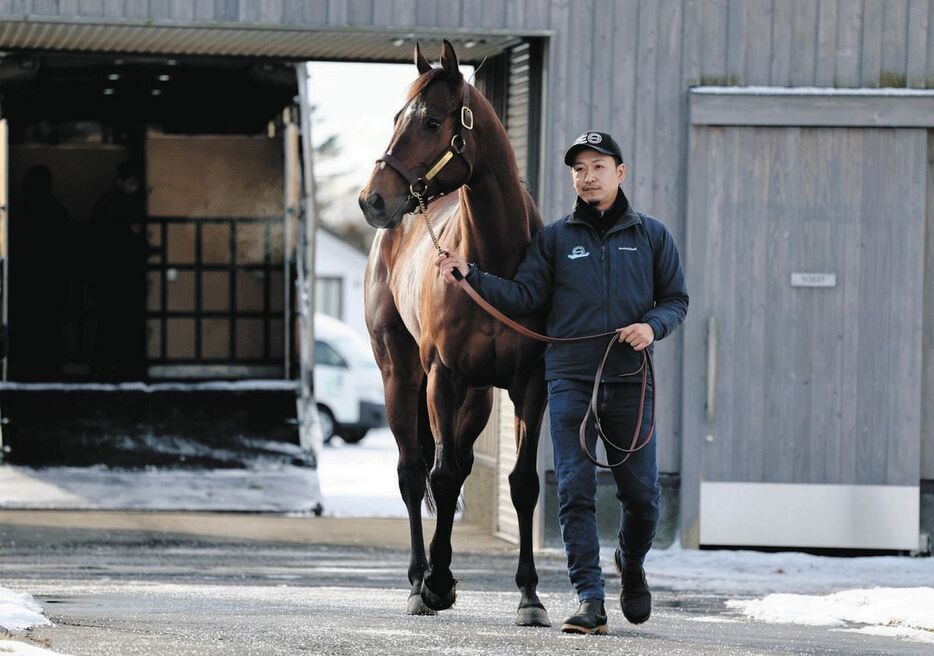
[[449, 60], [420, 61]]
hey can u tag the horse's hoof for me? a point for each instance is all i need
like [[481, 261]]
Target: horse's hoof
[[532, 616], [438, 602], [416, 606]]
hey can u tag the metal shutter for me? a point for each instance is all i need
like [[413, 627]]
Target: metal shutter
[[508, 82]]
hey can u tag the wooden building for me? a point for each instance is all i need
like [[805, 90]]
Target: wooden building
[[785, 143]]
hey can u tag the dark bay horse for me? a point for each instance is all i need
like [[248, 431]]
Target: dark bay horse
[[440, 355]]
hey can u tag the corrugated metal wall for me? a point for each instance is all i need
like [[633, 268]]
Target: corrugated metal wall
[[621, 65]]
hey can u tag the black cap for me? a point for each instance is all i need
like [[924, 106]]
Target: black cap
[[599, 141]]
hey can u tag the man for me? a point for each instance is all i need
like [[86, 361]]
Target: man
[[118, 230], [603, 267], [41, 271]]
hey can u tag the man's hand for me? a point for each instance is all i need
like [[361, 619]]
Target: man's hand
[[447, 262], [637, 335]]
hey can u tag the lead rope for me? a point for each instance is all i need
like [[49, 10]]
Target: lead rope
[[647, 369]]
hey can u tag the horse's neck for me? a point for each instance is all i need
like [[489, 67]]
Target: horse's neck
[[495, 218]]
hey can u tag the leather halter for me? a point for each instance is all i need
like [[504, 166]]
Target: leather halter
[[420, 180]]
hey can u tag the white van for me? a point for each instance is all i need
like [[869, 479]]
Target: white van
[[348, 385]]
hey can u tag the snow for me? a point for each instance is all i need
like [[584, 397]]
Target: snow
[[22, 649], [359, 480], [264, 487], [900, 612], [894, 632], [889, 596], [222, 386], [352, 480], [812, 91], [19, 611], [754, 573]]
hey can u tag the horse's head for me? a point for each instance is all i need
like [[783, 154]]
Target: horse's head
[[428, 154]]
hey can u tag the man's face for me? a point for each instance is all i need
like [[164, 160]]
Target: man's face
[[596, 178], [129, 185]]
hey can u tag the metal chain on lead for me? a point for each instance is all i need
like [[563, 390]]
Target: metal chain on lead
[[431, 231], [420, 199]]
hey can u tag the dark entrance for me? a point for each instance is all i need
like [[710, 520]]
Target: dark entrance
[[107, 287]]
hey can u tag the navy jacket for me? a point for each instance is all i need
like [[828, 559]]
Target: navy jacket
[[591, 285]]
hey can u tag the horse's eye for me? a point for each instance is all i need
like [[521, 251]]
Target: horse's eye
[[433, 124]]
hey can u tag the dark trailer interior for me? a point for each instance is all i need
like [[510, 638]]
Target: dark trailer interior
[[147, 279]]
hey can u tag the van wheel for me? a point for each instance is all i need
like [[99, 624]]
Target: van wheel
[[328, 425], [353, 435]]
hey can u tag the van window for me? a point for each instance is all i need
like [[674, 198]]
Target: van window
[[326, 355], [357, 351]]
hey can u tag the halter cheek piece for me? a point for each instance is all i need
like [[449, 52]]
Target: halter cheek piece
[[418, 184]]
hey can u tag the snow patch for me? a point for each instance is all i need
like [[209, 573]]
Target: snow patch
[[756, 573], [903, 612], [22, 649], [360, 480], [149, 388], [893, 632], [19, 611], [266, 487]]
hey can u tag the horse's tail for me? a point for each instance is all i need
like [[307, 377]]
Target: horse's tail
[[426, 442]]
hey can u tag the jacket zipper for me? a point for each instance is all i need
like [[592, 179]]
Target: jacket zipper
[[606, 295], [604, 266]]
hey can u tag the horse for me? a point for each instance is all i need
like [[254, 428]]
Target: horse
[[449, 182]]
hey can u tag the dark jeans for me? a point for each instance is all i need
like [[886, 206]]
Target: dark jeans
[[637, 485]]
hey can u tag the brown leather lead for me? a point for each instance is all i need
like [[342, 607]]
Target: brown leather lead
[[647, 368]]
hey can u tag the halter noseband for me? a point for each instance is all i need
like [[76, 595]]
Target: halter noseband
[[418, 185]]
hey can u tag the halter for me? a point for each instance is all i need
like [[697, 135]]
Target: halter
[[418, 184]]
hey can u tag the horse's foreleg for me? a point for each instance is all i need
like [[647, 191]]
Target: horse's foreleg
[[529, 400], [457, 417], [403, 414]]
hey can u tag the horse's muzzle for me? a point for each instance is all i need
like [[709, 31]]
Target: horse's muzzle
[[374, 209]]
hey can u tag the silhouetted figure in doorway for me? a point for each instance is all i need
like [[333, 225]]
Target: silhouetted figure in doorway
[[118, 233], [39, 282]]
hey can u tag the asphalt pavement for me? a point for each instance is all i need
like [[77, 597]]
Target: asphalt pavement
[[127, 584]]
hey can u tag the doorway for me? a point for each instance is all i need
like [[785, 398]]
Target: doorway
[[183, 278]]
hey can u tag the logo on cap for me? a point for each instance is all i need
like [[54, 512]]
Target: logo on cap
[[594, 138]]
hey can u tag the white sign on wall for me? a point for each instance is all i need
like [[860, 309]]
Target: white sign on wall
[[813, 279]]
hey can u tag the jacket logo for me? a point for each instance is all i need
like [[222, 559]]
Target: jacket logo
[[628, 248], [576, 252]]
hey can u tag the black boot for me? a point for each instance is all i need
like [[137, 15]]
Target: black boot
[[636, 598], [590, 618]]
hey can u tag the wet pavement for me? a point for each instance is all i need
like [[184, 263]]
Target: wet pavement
[[120, 585]]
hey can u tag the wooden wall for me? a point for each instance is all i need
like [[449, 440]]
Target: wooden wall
[[927, 350], [623, 66]]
